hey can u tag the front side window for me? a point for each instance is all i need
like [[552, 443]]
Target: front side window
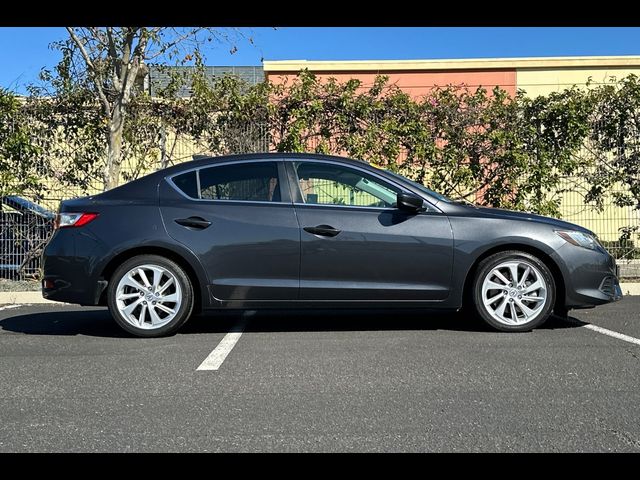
[[329, 184], [257, 182]]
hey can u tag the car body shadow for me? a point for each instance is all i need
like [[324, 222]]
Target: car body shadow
[[97, 322], [91, 322]]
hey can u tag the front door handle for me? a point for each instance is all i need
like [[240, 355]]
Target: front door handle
[[322, 230], [193, 222]]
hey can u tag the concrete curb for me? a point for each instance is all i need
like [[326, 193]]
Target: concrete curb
[[630, 288], [9, 298]]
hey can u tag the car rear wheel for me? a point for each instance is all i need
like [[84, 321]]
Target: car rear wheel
[[150, 296], [514, 291]]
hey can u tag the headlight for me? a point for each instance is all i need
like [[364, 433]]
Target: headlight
[[579, 239]]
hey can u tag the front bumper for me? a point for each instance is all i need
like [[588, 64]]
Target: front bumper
[[591, 277], [610, 286]]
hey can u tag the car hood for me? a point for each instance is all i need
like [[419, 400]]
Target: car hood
[[532, 217]]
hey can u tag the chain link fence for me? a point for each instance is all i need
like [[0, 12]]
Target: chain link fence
[[26, 221], [615, 226]]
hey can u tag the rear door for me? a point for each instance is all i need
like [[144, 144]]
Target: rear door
[[357, 246], [238, 218]]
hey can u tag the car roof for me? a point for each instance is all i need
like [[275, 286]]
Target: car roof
[[202, 161], [149, 182]]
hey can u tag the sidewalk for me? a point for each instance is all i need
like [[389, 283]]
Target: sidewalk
[[9, 298]]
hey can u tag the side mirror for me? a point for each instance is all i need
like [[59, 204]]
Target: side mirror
[[409, 202]]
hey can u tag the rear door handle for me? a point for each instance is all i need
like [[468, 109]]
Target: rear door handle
[[193, 222], [322, 230]]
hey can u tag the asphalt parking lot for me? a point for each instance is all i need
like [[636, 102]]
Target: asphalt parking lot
[[318, 381]]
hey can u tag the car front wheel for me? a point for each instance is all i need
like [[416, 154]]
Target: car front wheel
[[150, 296], [514, 291]]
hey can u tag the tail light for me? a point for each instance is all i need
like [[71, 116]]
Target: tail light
[[65, 219]]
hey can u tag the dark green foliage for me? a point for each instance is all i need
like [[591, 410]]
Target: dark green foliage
[[483, 147], [18, 154], [615, 143]]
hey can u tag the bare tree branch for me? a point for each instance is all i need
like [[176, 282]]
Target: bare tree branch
[[178, 40], [80, 44], [98, 83]]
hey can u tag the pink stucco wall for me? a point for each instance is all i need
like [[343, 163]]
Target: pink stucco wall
[[419, 83]]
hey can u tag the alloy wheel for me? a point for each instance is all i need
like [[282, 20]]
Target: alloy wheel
[[148, 296], [514, 292]]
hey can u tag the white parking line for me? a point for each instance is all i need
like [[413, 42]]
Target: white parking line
[[7, 307], [611, 333], [218, 355]]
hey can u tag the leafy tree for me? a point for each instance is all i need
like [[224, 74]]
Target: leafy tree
[[489, 148], [554, 130], [614, 143], [485, 147], [614, 132], [111, 62], [226, 115], [18, 168], [68, 126]]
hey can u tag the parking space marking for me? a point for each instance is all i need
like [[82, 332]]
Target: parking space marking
[[611, 333], [218, 355], [7, 307]]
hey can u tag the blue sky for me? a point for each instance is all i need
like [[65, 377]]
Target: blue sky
[[24, 51]]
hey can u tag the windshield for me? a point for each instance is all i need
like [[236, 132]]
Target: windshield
[[421, 187]]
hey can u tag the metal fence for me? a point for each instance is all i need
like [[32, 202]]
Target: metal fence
[[23, 234], [24, 229], [610, 223]]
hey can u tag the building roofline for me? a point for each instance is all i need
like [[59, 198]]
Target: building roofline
[[451, 64]]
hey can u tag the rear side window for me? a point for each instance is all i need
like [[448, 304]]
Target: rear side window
[[187, 183], [256, 182]]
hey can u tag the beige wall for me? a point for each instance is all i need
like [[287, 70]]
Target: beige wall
[[542, 81]]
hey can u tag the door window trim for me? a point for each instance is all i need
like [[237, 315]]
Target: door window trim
[[283, 182]]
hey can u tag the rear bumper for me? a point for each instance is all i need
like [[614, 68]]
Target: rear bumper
[[71, 277], [63, 291]]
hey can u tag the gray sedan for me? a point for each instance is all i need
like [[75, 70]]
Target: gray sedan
[[304, 230]]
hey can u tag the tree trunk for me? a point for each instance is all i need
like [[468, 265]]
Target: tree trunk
[[114, 153], [164, 160]]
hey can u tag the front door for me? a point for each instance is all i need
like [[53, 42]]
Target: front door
[[355, 245], [240, 222]]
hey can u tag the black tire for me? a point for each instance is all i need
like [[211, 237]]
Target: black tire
[[487, 265], [187, 297]]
